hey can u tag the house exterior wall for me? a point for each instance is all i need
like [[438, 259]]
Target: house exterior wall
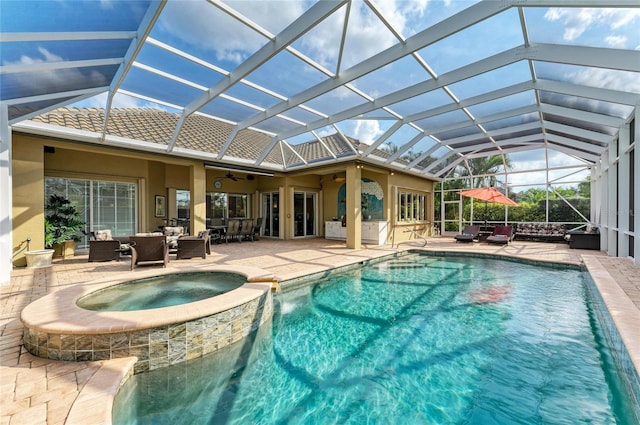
[[163, 175], [27, 163]]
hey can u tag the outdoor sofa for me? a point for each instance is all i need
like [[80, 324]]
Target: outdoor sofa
[[545, 232]]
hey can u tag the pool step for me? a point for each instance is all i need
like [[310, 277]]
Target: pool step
[[404, 264]]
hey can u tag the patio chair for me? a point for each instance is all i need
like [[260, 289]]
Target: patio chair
[[501, 235], [173, 233], [468, 234], [194, 246], [246, 229], [102, 247], [233, 230], [146, 249], [256, 229]]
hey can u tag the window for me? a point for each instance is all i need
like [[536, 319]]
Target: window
[[103, 204], [183, 202], [221, 206], [238, 205], [412, 206]]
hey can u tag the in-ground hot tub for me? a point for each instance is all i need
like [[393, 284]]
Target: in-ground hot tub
[[57, 328], [162, 291]]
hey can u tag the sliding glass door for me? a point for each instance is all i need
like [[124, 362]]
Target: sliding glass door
[[102, 204], [271, 217], [304, 210]]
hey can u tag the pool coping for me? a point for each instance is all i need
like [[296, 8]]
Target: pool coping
[[44, 313]]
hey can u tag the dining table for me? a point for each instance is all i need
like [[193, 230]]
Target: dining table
[[217, 234]]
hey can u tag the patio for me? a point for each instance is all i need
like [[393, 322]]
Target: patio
[[55, 392]]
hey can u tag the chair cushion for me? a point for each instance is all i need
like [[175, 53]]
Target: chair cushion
[[173, 230], [102, 235]]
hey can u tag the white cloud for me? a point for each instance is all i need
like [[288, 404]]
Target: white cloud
[[119, 101], [366, 35], [616, 41], [54, 80], [578, 20], [608, 79], [205, 27], [366, 131]]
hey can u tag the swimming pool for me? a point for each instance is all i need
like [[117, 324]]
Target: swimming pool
[[162, 291], [416, 340]]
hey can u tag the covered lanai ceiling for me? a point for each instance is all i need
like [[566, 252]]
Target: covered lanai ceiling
[[431, 83]]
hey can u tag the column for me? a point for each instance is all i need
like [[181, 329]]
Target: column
[[624, 169], [354, 200], [6, 200], [636, 186], [198, 189], [612, 204]]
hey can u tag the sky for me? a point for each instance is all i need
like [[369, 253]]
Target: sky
[[203, 31]]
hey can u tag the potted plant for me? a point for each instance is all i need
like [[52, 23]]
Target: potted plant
[[62, 226]]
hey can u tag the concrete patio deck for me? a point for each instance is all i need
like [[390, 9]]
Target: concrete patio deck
[[40, 391]]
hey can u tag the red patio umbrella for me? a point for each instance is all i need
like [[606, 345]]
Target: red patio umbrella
[[488, 194]]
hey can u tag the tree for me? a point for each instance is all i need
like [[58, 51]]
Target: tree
[[584, 188], [479, 168]]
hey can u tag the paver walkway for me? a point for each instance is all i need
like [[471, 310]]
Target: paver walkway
[[39, 391]]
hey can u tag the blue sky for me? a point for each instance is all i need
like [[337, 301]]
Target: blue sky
[[199, 29]]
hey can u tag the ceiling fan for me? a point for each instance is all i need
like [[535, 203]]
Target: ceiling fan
[[230, 176]]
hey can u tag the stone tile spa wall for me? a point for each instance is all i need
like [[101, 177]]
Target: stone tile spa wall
[[159, 346]]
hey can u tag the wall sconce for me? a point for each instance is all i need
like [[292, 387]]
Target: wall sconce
[[392, 173], [338, 179]]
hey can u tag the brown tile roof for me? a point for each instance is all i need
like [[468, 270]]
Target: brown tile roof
[[199, 133]]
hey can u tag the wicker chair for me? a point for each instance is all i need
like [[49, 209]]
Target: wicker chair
[[149, 249], [104, 250], [194, 246], [102, 247]]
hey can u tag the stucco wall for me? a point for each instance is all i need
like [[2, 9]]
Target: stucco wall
[[28, 196]]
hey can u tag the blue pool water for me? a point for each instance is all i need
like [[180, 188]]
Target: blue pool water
[[161, 291], [418, 340]]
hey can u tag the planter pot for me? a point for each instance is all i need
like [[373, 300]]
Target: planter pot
[[39, 258], [65, 249]]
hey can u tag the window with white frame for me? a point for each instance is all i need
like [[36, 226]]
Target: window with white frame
[[412, 206], [102, 204]]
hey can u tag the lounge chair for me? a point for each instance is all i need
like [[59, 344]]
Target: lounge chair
[[149, 249], [468, 234], [501, 235], [194, 246]]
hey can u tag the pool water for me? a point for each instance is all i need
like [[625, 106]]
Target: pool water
[[161, 291], [418, 340]]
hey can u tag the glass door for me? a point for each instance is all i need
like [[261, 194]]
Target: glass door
[[270, 213], [304, 210]]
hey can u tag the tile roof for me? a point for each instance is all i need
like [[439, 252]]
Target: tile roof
[[200, 133]]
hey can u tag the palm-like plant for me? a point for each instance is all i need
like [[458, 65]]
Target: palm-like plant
[[62, 221], [480, 170]]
